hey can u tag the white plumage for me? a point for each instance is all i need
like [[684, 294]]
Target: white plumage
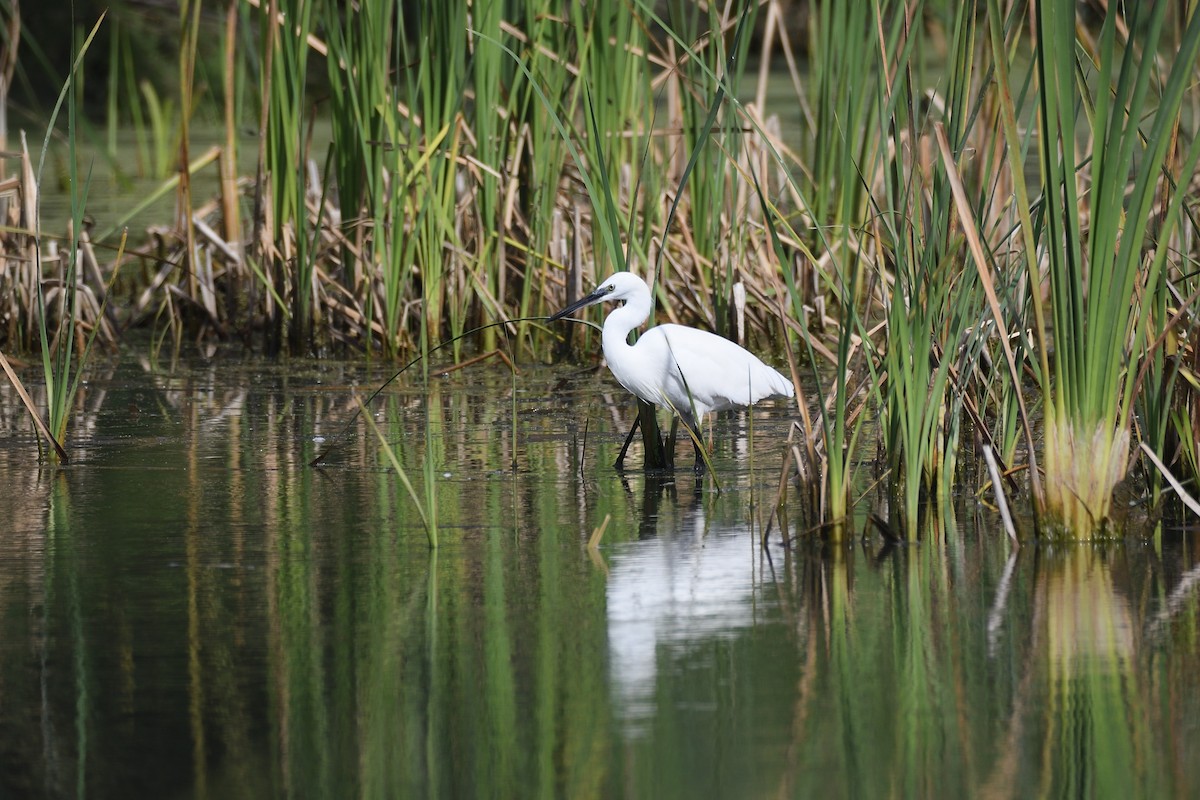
[[674, 366]]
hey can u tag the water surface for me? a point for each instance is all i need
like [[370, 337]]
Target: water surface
[[189, 610]]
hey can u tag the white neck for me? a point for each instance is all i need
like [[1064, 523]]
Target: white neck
[[621, 321]]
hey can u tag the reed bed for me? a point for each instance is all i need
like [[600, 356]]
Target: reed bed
[[983, 235]]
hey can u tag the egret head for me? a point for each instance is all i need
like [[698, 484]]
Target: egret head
[[618, 286]]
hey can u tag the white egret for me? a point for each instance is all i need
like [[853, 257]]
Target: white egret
[[689, 371]]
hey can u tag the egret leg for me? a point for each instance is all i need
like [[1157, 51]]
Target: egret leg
[[694, 434], [699, 467], [620, 462], [652, 441]]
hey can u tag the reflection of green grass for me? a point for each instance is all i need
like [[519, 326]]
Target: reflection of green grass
[[401, 474], [296, 630]]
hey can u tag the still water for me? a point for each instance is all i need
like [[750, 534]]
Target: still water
[[189, 610]]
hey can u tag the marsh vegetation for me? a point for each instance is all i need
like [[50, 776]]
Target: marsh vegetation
[[978, 233], [320, 504]]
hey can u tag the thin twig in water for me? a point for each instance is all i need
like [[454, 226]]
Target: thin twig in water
[[1187, 499], [470, 362], [1001, 500], [781, 494]]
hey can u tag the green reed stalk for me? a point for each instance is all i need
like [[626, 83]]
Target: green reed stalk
[[491, 74], [233, 76], [614, 73], [112, 120], [590, 172], [1101, 284], [1169, 412], [701, 137], [718, 228], [915, 388], [848, 37], [393, 246], [287, 265], [540, 168], [189, 33], [359, 63], [59, 367], [137, 116], [1027, 294], [160, 117], [1155, 405], [832, 446], [366, 151], [436, 82], [838, 434], [1167, 407], [708, 214], [987, 392], [933, 301], [841, 42], [597, 175]]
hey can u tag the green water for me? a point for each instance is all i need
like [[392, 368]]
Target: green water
[[188, 610]]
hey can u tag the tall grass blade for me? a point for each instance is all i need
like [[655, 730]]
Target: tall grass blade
[[58, 363]]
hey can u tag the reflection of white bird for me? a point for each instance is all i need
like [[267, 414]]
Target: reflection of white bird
[[674, 366], [668, 600]]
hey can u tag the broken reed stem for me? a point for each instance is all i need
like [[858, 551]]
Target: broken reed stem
[[598, 533], [998, 489]]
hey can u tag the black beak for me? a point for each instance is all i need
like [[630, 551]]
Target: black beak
[[595, 297]]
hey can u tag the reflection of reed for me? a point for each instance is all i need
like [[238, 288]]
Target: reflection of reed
[[29, 732], [88, 400], [289, 632], [1078, 689], [818, 577], [260, 610], [1095, 714], [1181, 599], [1088, 625]]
